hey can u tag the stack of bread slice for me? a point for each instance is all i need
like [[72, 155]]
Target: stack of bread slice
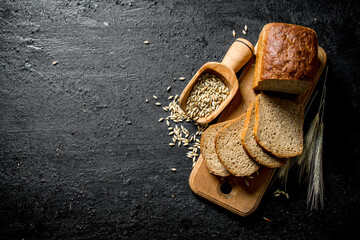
[[271, 130], [267, 135]]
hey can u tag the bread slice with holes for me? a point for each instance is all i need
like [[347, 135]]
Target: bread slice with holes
[[207, 145], [231, 152], [251, 146], [279, 125]]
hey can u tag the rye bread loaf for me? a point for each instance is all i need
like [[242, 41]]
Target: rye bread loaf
[[250, 144], [286, 59], [207, 145], [230, 151], [279, 125]]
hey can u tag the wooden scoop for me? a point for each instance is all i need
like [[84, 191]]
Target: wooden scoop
[[236, 57]]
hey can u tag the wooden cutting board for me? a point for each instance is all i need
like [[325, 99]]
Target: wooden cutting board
[[232, 192]]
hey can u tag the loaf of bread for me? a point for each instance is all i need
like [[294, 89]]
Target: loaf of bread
[[251, 146], [230, 151], [286, 58], [279, 125], [208, 152]]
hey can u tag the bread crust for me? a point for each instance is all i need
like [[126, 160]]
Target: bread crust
[[246, 125], [223, 172], [217, 149], [275, 162], [255, 165], [286, 59]]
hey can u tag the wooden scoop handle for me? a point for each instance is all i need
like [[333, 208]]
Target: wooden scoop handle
[[238, 54]]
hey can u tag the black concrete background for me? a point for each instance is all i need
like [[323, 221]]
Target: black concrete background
[[82, 155]]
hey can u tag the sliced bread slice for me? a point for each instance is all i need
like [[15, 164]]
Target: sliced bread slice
[[279, 125], [207, 145], [249, 143], [230, 151]]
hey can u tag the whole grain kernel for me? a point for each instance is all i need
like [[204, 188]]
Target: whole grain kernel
[[246, 183], [207, 94]]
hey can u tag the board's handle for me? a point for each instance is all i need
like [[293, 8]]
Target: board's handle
[[238, 54]]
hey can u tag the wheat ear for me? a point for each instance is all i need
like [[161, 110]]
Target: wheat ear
[[316, 183], [304, 160]]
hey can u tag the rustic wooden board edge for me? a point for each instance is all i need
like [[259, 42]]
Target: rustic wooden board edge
[[227, 112], [194, 187]]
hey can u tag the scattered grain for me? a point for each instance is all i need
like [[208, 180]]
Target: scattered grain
[[246, 183]]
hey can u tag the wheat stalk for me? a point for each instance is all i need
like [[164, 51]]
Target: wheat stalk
[[304, 160], [309, 163], [316, 183], [283, 172]]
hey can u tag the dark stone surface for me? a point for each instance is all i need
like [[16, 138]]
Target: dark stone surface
[[82, 155]]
